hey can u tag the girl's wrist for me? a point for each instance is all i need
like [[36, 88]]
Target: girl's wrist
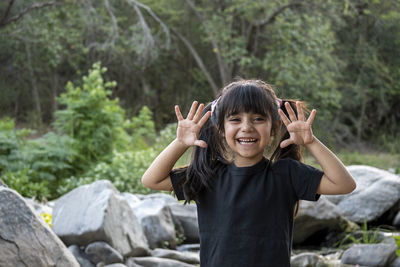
[[180, 144], [313, 141]]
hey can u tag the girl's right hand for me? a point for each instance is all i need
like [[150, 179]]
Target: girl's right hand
[[189, 128]]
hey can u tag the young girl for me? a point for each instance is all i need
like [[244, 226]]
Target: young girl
[[246, 202]]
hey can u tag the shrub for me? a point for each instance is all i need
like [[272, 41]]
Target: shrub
[[27, 183], [51, 157], [125, 170], [142, 129], [91, 118]]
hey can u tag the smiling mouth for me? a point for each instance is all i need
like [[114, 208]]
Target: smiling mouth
[[244, 141]]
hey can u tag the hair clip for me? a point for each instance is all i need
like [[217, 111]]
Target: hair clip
[[279, 102], [214, 105]]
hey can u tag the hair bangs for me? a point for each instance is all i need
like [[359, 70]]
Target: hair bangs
[[246, 98]]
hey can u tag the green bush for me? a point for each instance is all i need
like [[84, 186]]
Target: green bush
[[91, 118], [26, 182], [141, 129], [11, 142], [125, 170], [51, 157]]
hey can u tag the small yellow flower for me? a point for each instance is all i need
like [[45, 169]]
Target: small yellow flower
[[47, 218]]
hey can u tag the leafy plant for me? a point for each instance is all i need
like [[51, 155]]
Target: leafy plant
[[364, 237], [142, 129], [26, 182], [91, 118]]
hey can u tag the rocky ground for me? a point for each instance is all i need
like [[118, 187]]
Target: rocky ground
[[95, 225]]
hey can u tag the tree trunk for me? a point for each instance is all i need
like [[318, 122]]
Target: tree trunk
[[35, 91]]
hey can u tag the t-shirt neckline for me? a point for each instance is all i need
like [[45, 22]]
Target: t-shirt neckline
[[233, 169]]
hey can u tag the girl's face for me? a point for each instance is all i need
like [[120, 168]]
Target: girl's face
[[247, 135]]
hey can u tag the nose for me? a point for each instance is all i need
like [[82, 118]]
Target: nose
[[247, 126]]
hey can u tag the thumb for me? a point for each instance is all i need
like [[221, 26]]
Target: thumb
[[285, 143], [200, 143]]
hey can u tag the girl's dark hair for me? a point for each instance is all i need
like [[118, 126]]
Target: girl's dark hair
[[253, 96]]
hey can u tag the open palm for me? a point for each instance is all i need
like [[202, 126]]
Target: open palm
[[299, 129], [189, 128]]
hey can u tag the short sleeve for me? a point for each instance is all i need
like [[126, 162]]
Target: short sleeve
[[177, 179], [305, 180]]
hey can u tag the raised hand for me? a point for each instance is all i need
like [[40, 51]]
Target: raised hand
[[299, 129], [189, 128]]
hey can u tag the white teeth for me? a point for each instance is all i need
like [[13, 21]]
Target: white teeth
[[247, 140]]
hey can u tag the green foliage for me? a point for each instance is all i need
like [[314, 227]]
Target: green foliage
[[366, 237], [11, 141], [141, 129], [125, 170], [51, 158], [25, 181], [91, 118]]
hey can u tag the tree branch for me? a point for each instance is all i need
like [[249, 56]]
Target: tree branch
[[277, 11], [6, 21], [199, 61], [10, 4], [221, 64]]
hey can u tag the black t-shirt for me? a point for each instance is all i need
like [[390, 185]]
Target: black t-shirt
[[246, 216]]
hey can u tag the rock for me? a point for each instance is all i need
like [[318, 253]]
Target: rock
[[377, 191], [395, 263], [307, 260], [396, 220], [189, 247], [155, 262], [370, 255], [131, 199], [115, 265], [80, 256], [102, 252], [156, 220], [317, 216], [40, 207], [168, 199], [186, 215], [184, 256], [97, 212], [25, 240]]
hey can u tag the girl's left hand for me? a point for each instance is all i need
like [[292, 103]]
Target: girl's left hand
[[299, 129]]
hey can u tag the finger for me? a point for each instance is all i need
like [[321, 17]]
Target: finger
[[192, 110], [285, 143], [198, 113], [178, 113], [200, 143], [204, 118], [311, 117], [285, 119], [300, 113], [290, 111]]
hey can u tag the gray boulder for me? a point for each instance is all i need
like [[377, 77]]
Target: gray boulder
[[377, 191], [25, 239], [316, 216], [184, 256], [370, 255], [186, 216], [97, 212], [80, 256], [102, 252], [155, 262], [307, 260], [156, 220], [168, 199]]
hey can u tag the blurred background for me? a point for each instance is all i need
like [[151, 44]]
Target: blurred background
[[87, 88]]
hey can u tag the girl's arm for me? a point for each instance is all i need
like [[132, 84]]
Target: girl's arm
[[336, 178], [157, 175]]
